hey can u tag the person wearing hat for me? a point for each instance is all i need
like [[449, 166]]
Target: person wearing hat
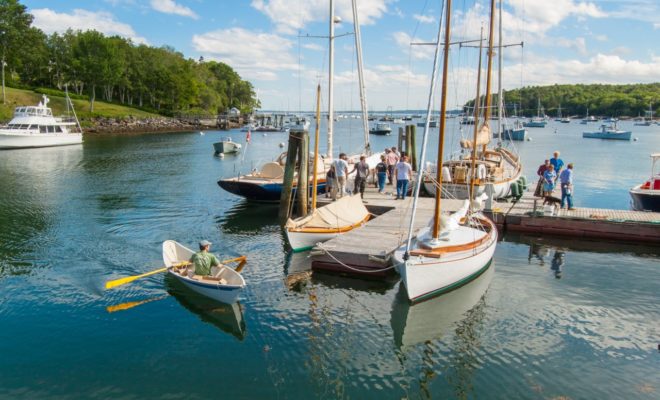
[[203, 260]]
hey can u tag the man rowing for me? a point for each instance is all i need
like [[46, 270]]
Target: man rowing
[[203, 260]]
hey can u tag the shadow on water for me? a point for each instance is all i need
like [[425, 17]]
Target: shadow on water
[[226, 317], [334, 281], [246, 217]]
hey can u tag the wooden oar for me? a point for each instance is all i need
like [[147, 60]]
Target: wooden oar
[[129, 279]]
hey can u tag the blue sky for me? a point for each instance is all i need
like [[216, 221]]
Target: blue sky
[[566, 41]]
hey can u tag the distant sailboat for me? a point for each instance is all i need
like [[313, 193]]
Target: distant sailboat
[[539, 121]]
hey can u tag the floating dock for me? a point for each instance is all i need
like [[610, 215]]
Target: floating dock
[[367, 251]]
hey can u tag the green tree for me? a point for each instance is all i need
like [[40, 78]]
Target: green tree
[[14, 25]]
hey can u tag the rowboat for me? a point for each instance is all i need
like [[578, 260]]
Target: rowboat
[[224, 285]]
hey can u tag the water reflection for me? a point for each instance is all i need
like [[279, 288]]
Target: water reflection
[[419, 323], [245, 217], [34, 188], [227, 317]]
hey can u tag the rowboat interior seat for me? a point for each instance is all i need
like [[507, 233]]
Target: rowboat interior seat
[[208, 278]]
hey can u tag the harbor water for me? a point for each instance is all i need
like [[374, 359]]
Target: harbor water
[[552, 318]]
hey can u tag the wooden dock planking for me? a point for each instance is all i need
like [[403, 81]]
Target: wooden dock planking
[[369, 246]]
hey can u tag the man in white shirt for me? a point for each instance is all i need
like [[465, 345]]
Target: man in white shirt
[[403, 176], [341, 171]]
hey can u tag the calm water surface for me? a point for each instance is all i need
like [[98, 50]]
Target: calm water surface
[[73, 217]]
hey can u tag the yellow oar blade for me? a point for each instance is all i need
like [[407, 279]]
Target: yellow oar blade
[[129, 279]]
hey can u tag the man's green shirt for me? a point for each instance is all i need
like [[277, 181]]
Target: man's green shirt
[[203, 261]]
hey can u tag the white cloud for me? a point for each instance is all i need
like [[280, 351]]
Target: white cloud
[[50, 21], [656, 25], [578, 44], [266, 55], [170, 7], [424, 19], [291, 16], [601, 68], [313, 46], [419, 52]]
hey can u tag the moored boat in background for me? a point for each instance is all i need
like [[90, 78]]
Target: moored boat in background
[[35, 126], [611, 132], [646, 196]]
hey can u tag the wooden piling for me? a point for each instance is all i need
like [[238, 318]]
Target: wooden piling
[[413, 149], [303, 174], [401, 139], [408, 141], [289, 172]]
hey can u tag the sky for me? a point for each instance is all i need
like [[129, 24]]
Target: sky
[[265, 41]]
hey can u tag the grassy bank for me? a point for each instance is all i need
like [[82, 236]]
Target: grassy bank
[[20, 97]]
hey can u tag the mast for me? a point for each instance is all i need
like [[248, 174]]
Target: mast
[[316, 145], [363, 94], [443, 120], [476, 124], [490, 67], [331, 73], [425, 138], [500, 99]]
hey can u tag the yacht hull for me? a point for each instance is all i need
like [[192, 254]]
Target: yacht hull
[[13, 141], [645, 199]]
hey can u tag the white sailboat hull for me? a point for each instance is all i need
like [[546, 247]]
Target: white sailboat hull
[[10, 140], [301, 241], [426, 277]]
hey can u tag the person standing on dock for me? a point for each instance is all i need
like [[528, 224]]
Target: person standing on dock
[[341, 172], [538, 192], [549, 179], [403, 176], [392, 159], [361, 170], [330, 177], [557, 163], [566, 179], [381, 172]]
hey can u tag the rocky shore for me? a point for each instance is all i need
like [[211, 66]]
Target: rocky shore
[[129, 125]]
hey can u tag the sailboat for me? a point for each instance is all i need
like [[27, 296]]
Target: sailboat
[[455, 249], [497, 166], [348, 212], [324, 223], [644, 121], [539, 121]]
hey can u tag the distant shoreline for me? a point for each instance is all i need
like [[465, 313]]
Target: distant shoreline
[[135, 126]]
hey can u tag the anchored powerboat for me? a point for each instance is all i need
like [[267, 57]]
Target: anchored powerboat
[[646, 196]]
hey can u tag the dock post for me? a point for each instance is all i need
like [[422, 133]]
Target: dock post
[[413, 149], [401, 139], [489, 201], [303, 174], [289, 172]]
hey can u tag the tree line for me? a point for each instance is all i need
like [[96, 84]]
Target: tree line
[[604, 100], [115, 69]]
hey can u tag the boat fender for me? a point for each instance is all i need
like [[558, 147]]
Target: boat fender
[[515, 190], [523, 182]]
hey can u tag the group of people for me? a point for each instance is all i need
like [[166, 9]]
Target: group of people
[[393, 166], [551, 171]]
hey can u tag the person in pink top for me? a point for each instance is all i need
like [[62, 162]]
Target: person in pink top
[[391, 159]]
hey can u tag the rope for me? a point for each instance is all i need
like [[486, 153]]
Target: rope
[[320, 246]]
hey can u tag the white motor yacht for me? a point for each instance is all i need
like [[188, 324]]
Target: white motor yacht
[[35, 126]]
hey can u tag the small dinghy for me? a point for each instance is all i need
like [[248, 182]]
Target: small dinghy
[[224, 284], [227, 146]]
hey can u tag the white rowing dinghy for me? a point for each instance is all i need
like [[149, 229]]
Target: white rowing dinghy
[[224, 285]]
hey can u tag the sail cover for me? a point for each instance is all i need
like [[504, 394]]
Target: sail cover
[[346, 211], [483, 137]]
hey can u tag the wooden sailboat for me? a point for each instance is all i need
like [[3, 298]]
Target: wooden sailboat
[[324, 223], [454, 249], [497, 166]]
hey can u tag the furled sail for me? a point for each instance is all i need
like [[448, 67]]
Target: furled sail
[[483, 137]]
